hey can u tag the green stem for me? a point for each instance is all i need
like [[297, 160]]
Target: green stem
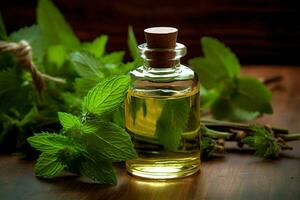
[[214, 134], [290, 137], [226, 126]]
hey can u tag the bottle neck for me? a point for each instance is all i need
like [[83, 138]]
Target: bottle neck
[[161, 70], [161, 61]]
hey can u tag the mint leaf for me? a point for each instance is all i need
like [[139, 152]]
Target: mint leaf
[[97, 47], [57, 55], [87, 65], [54, 27], [118, 117], [98, 170], [109, 141], [48, 165], [132, 44], [207, 147], [33, 35], [252, 95], [71, 100], [83, 85], [9, 81], [217, 65], [264, 142], [49, 142], [219, 54], [3, 34], [172, 122], [208, 97], [243, 115], [61, 150], [222, 108], [229, 95], [125, 68], [210, 74], [106, 96], [113, 58], [68, 120], [14, 92]]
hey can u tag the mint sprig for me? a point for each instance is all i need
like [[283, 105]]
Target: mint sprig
[[264, 142], [106, 96], [87, 145], [228, 94]]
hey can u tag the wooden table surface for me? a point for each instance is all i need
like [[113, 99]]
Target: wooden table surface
[[237, 175]]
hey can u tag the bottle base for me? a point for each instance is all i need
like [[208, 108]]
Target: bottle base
[[163, 168]]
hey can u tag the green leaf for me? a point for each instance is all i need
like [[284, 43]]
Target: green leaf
[[252, 96], [87, 65], [98, 170], [14, 93], [222, 108], [243, 99], [125, 68], [207, 147], [9, 81], [264, 142], [57, 55], [172, 122], [218, 64], [71, 100], [242, 115], [33, 35], [68, 120], [29, 117], [114, 58], [106, 96], [208, 97], [118, 117], [83, 85], [210, 74], [108, 141], [220, 55], [3, 34], [48, 165], [97, 47], [54, 27], [7, 60], [132, 44], [49, 142]]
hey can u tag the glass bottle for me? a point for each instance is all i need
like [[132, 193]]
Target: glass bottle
[[162, 110]]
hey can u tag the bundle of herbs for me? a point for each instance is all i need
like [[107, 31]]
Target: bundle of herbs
[[46, 74]]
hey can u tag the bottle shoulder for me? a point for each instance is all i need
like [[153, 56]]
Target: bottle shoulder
[[163, 83], [181, 72]]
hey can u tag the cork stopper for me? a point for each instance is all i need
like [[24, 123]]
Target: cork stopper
[[163, 42], [161, 37]]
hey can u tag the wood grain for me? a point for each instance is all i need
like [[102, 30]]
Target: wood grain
[[238, 175]]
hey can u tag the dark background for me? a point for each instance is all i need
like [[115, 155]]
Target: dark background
[[259, 31]]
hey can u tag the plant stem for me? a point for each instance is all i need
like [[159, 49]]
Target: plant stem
[[290, 137], [227, 126], [272, 79], [214, 134]]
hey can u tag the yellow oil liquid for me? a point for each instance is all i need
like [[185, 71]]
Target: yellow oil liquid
[[165, 133]]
